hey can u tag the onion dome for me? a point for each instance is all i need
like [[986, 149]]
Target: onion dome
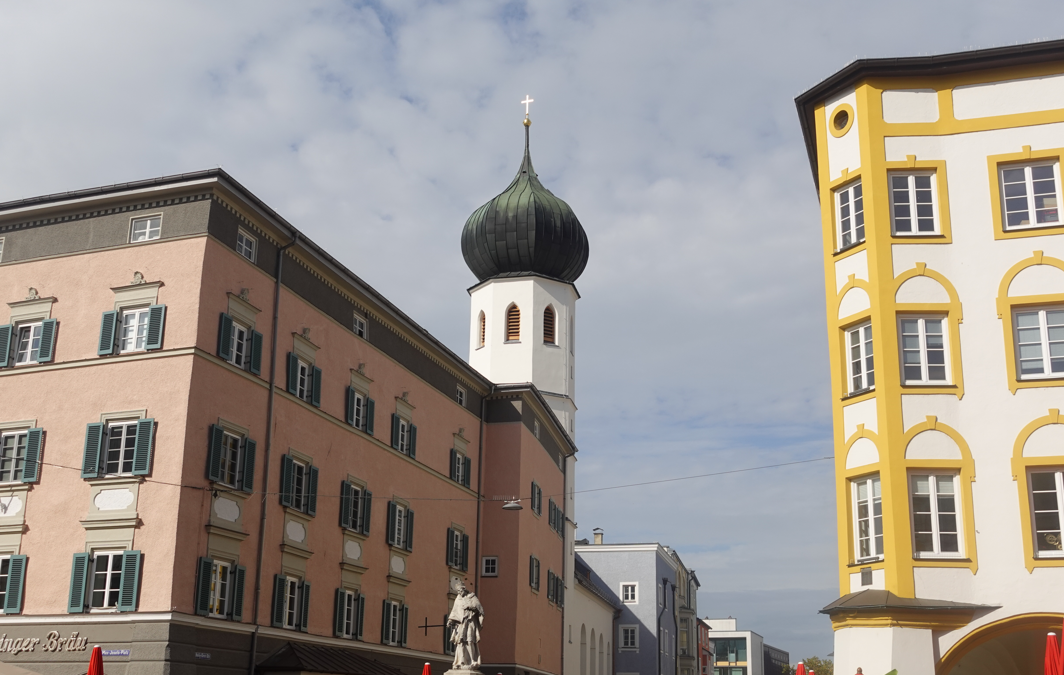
[[525, 230]]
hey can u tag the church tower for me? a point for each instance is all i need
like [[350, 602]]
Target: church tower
[[527, 249]]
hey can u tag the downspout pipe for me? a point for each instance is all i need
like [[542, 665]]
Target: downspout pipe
[[664, 608], [269, 445]]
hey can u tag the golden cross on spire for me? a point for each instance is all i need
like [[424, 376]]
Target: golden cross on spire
[[528, 99]]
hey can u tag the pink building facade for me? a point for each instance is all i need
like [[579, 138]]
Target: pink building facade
[[218, 441]]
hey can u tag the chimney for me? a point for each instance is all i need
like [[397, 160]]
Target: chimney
[[598, 536]]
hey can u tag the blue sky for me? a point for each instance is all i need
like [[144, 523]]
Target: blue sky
[[668, 126]]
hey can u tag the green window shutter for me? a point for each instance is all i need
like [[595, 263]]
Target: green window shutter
[[465, 552], [48, 331], [395, 431], [448, 646], [142, 447], [454, 464], [315, 389], [215, 437], [402, 624], [338, 612], [293, 373], [304, 608], [16, 579], [312, 492], [127, 592], [346, 493], [370, 409], [90, 462], [256, 353], [409, 530], [286, 480], [156, 322], [79, 576], [203, 586], [367, 505], [247, 476], [468, 468], [237, 605], [350, 407], [225, 336], [550, 586], [450, 546], [361, 616], [277, 616], [5, 345], [531, 570], [412, 450], [108, 333], [533, 499], [385, 615], [34, 441], [390, 534]]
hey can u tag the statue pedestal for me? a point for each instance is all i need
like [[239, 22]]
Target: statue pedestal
[[463, 671]]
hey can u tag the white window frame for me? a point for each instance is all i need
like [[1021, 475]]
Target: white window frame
[[300, 473], [459, 468], [853, 216], [140, 316], [1, 249], [936, 534], [148, 229], [127, 450], [5, 572], [1058, 477], [240, 345], [304, 386], [350, 611], [1028, 194], [460, 395], [249, 247], [232, 445], [456, 547], [33, 331], [356, 503], [221, 589], [400, 525], [360, 409], [911, 195], [922, 349], [489, 566], [358, 326], [634, 587], [865, 352], [404, 436], [1045, 343], [18, 464], [292, 591], [394, 628], [634, 647], [870, 481], [110, 577]]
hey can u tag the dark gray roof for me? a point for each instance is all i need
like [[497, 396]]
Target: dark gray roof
[[525, 230], [939, 64], [300, 657], [870, 599]]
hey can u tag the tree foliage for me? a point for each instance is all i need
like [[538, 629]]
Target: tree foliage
[[817, 664]]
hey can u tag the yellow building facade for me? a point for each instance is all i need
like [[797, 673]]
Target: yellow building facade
[[940, 193]]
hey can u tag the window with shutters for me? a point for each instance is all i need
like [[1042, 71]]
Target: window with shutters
[[120, 449], [533, 572], [13, 456], [457, 548], [303, 379], [133, 330], [482, 330], [5, 573], [349, 612], [404, 432], [28, 343], [537, 499], [489, 566], [145, 229], [394, 623], [461, 468], [238, 346], [292, 604], [230, 459], [246, 245], [220, 589], [355, 505], [299, 485], [106, 579], [513, 324], [399, 525], [549, 333]]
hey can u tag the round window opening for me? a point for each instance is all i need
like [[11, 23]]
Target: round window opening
[[842, 118]]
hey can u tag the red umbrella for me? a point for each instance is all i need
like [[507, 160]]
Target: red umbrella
[[96, 661], [1054, 657], [427, 670], [800, 670]]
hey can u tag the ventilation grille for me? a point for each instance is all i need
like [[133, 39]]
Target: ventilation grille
[[548, 325], [513, 324]]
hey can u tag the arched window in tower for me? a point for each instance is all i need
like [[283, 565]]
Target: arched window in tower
[[548, 326], [483, 326], [513, 324]]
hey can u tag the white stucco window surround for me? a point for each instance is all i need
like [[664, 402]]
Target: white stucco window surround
[[630, 592]]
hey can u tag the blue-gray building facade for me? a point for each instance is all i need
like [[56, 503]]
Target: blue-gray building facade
[[656, 631]]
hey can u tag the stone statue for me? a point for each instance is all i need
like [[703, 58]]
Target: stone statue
[[465, 622]]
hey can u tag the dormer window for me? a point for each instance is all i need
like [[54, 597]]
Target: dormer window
[[513, 324], [548, 326]]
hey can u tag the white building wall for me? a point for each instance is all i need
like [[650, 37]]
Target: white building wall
[[584, 610], [880, 650]]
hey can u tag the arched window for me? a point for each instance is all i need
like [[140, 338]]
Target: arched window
[[548, 326], [591, 654], [513, 324], [583, 649], [483, 324]]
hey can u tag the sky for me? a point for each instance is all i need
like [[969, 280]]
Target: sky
[[669, 126]]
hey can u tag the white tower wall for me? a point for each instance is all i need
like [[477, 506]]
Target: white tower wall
[[551, 367]]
